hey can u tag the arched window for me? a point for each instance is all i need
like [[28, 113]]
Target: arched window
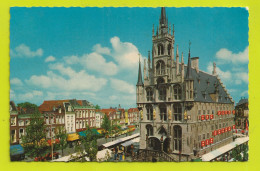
[[169, 49], [149, 93], [177, 136], [160, 49], [149, 130], [160, 68], [149, 110], [163, 115], [177, 92], [177, 112]]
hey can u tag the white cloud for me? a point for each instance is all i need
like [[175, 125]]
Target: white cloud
[[113, 97], [243, 76], [229, 56], [224, 75], [16, 82], [73, 81], [126, 54], [101, 50], [71, 59], [238, 82], [68, 71], [122, 86], [12, 94], [30, 95], [68, 95], [24, 51], [50, 59], [97, 62]]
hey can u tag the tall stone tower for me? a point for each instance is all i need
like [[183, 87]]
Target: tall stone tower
[[178, 103]]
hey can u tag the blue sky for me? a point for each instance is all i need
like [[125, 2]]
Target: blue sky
[[92, 53]]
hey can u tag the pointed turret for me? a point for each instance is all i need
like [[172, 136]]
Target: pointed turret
[[149, 61], [188, 73], [177, 60], [163, 20], [163, 28], [214, 72], [182, 61], [140, 80], [145, 75]]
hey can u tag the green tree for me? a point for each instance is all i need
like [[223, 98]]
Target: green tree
[[62, 137], [97, 106], [106, 125], [236, 154], [89, 143], [245, 152], [33, 141], [27, 105]]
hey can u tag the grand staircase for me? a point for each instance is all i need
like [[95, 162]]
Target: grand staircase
[[152, 155]]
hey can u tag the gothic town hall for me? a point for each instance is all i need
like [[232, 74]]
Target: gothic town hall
[[184, 111]]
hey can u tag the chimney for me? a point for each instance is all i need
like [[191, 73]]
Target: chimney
[[195, 63]]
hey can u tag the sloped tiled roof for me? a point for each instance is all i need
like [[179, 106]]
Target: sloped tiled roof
[[48, 105], [108, 111], [206, 84], [242, 101], [132, 110]]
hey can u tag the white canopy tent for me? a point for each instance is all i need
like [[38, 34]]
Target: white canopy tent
[[127, 143], [121, 140], [213, 154]]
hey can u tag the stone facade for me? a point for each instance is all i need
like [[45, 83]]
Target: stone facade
[[182, 109]]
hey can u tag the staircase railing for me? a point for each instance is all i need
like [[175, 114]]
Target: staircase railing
[[145, 153]]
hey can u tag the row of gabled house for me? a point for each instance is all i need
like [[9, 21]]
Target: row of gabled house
[[70, 115]]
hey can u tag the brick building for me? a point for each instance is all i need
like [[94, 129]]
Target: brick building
[[133, 116]]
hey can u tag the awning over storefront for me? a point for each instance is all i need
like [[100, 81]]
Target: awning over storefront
[[95, 132], [218, 152], [127, 143], [82, 134], [72, 137], [16, 149]]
